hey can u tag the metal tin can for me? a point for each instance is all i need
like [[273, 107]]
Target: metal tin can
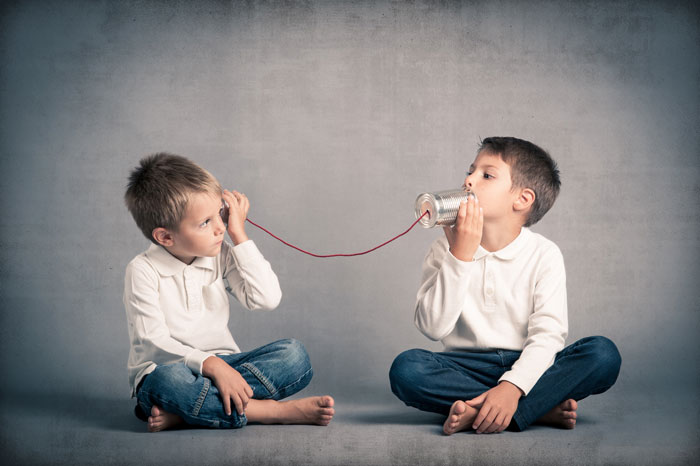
[[223, 212], [442, 206]]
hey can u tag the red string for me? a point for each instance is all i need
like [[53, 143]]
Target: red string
[[340, 255]]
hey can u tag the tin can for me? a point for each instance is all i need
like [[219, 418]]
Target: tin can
[[223, 212], [442, 207]]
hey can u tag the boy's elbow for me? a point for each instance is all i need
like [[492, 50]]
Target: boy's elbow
[[269, 302], [433, 333]]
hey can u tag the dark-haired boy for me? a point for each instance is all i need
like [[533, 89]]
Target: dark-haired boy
[[494, 293]]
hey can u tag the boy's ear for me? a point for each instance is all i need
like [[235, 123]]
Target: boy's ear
[[524, 200], [163, 236]]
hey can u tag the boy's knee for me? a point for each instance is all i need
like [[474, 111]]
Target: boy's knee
[[607, 356], [295, 352], [171, 375], [294, 355], [405, 372], [164, 382]]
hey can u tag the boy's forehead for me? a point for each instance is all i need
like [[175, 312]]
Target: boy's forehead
[[489, 158], [200, 201]]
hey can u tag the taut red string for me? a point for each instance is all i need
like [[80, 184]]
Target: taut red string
[[340, 255]]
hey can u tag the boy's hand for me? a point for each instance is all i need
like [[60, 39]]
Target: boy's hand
[[496, 407], [230, 383], [465, 235], [238, 206]]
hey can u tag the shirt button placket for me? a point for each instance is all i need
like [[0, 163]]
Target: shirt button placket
[[489, 287], [191, 287]]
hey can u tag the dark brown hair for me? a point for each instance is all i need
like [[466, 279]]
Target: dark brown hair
[[530, 167]]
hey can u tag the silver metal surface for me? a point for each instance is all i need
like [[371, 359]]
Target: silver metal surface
[[442, 206], [223, 212]]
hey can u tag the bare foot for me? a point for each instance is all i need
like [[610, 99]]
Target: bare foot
[[312, 410], [161, 420], [461, 417], [563, 415]]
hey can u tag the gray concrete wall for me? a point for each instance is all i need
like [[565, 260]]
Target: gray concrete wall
[[332, 117]]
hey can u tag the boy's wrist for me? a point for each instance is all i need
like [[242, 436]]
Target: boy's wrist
[[238, 237], [461, 255], [512, 388], [211, 366]]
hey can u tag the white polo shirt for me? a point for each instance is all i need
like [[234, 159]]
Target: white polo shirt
[[179, 313], [513, 299]]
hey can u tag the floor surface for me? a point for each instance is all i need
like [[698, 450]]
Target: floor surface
[[611, 430]]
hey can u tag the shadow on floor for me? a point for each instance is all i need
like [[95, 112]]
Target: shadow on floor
[[103, 413], [374, 415]]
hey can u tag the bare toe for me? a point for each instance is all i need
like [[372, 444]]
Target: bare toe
[[458, 418], [162, 420], [569, 405]]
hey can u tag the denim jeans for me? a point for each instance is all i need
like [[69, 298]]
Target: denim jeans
[[273, 371], [434, 381]]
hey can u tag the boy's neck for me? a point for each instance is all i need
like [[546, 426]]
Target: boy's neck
[[497, 236], [187, 260]]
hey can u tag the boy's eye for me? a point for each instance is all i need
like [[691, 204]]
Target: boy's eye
[[487, 176], [205, 223]]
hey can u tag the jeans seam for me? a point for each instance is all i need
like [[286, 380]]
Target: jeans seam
[[261, 377], [202, 395]]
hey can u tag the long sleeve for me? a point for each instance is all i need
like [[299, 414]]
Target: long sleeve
[[547, 325], [151, 339], [250, 277], [441, 295]]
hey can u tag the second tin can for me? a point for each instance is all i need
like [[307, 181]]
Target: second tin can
[[442, 206]]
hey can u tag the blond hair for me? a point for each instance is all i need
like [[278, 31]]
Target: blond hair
[[160, 188]]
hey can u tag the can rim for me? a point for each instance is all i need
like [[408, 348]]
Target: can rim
[[431, 219]]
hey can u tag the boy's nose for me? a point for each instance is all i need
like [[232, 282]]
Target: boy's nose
[[219, 225]]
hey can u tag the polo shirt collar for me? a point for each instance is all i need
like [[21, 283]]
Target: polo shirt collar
[[511, 250], [168, 265]]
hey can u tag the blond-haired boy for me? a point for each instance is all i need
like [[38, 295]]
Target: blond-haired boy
[[184, 365]]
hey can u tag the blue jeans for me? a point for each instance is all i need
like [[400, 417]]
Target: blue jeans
[[273, 371], [434, 381]]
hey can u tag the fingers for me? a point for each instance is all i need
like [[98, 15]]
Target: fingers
[[227, 404], [237, 402], [491, 420], [470, 214], [477, 402], [496, 424], [480, 418], [506, 423], [474, 212], [462, 214], [237, 200], [480, 219], [240, 401]]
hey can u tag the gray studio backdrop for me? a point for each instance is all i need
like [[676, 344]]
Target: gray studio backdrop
[[332, 117]]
